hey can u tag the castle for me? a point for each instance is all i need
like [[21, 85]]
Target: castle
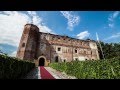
[[45, 48]]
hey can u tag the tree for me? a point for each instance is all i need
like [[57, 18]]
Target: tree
[[110, 50]]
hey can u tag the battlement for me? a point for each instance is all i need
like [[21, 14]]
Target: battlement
[[32, 25]]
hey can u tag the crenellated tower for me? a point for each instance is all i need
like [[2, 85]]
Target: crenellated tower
[[28, 43]]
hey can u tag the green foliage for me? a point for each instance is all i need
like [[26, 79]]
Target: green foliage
[[110, 50], [99, 69], [13, 68]]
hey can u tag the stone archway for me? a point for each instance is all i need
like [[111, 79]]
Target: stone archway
[[41, 61], [56, 59]]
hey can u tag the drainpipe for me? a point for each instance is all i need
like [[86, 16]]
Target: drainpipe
[[72, 50], [50, 52]]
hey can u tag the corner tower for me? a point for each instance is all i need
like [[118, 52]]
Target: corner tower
[[28, 43]]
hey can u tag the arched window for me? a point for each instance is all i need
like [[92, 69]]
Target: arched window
[[23, 45], [75, 50]]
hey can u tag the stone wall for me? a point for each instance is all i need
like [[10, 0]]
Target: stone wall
[[55, 48], [28, 44], [70, 48]]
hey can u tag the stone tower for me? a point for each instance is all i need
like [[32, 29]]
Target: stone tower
[[28, 43]]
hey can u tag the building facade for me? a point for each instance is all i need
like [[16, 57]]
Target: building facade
[[45, 48]]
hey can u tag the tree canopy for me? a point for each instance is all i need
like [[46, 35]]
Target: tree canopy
[[110, 50]]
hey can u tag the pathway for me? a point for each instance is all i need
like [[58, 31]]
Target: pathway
[[47, 73]]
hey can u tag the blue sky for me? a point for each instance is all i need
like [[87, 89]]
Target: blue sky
[[76, 24]]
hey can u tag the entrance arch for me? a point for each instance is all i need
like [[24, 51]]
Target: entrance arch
[[41, 61], [56, 59]]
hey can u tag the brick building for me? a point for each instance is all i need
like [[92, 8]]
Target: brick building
[[45, 48]]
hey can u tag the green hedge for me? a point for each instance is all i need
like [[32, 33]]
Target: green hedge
[[13, 68], [99, 69]]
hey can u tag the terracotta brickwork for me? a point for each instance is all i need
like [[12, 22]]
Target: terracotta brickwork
[[54, 48]]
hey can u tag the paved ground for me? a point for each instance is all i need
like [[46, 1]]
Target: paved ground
[[58, 75], [35, 74], [45, 73]]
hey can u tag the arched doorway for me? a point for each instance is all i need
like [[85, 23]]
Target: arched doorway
[[41, 61], [56, 59]]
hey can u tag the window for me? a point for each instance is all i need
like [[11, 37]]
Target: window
[[23, 45], [64, 60], [85, 52], [75, 51], [59, 49], [76, 59]]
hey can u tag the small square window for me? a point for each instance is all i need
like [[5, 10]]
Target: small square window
[[59, 49]]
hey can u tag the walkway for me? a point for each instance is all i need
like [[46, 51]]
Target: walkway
[[47, 73]]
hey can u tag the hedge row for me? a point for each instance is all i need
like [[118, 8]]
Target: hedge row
[[99, 69], [13, 68]]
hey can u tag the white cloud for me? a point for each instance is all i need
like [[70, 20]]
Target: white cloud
[[112, 18], [39, 22], [111, 25], [45, 29], [73, 20], [83, 35], [115, 14], [35, 18], [117, 35], [12, 25], [32, 13]]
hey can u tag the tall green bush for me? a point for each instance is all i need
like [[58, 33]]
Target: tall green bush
[[13, 68]]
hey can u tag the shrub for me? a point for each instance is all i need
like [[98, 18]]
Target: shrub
[[14, 68], [99, 69]]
